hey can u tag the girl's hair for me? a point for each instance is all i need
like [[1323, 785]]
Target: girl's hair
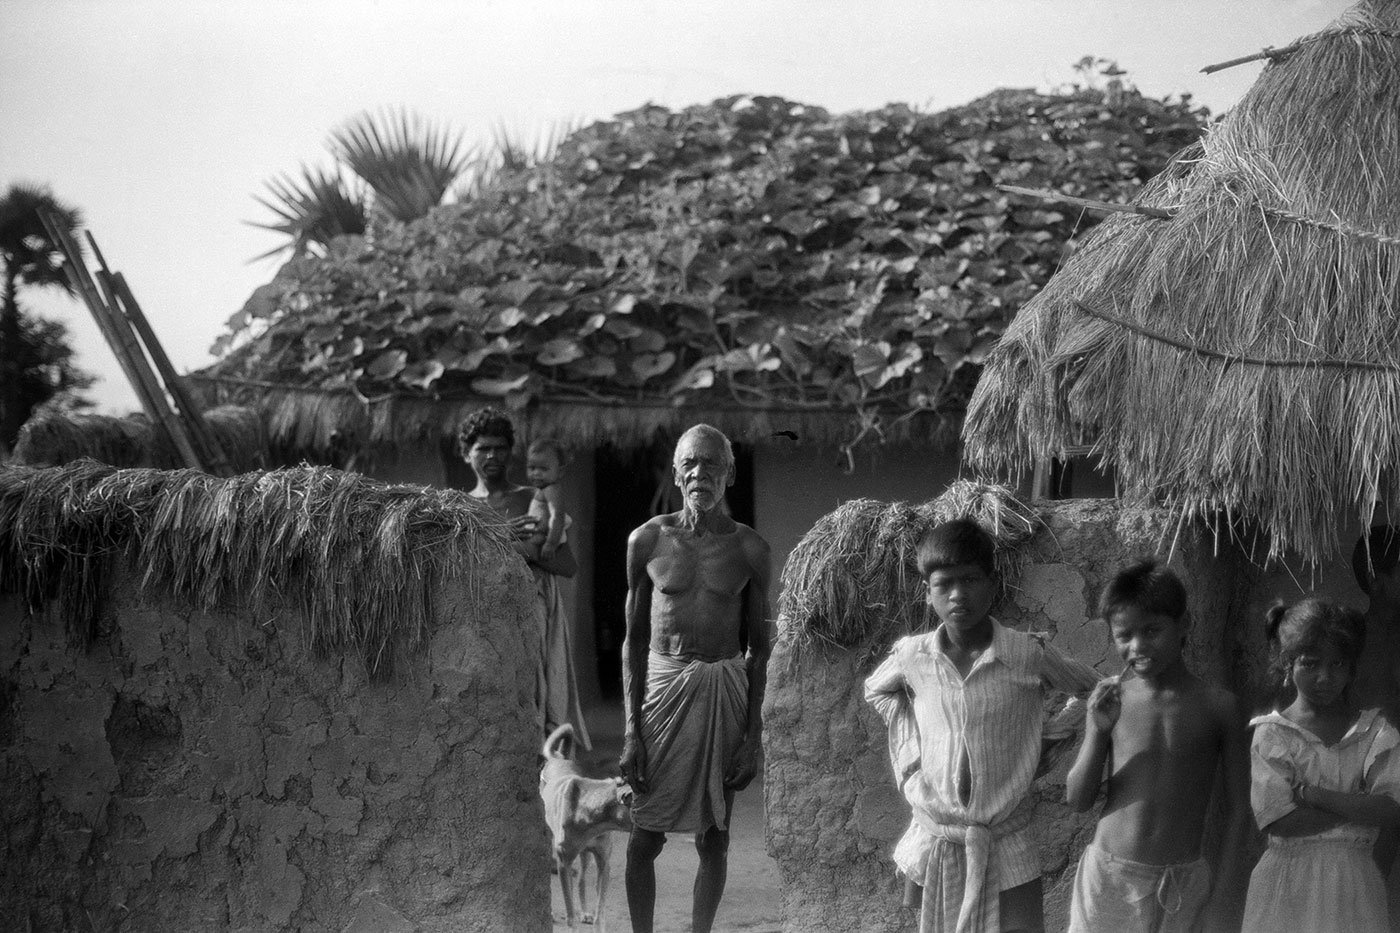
[[1312, 624], [491, 422], [551, 445], [1148, 586]]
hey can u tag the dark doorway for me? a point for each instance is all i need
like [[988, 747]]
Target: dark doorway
[[630, 486]]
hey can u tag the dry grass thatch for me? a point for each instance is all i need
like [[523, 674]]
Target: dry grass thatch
[[1242, 356], [853, 580], [360, 560], [57, 438], [316, 422]]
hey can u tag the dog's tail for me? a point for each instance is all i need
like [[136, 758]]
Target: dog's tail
[[560, 743]]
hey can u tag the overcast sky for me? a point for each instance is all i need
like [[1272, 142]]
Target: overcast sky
[[161, 119]]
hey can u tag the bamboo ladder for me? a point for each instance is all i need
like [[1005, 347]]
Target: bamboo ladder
[[142, 358]]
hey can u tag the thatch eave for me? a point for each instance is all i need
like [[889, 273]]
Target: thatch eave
[[318, 421]]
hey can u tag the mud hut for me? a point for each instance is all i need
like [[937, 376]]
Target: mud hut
[[293, 700], [822, 287], [1231, 350]]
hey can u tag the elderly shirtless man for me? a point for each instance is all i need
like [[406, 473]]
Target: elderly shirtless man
[[697, 592]]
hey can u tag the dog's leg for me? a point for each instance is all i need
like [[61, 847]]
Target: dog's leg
[[567, 881], [583, 859], [604, 875]]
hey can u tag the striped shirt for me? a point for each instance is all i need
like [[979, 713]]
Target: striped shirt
[[994, 717]]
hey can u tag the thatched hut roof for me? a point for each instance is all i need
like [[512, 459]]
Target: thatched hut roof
[[1243, 354], [756, 263], [55, 438]]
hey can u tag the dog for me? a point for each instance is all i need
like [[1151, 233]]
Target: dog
[[582, 814]]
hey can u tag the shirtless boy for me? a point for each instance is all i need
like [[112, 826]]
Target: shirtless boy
[[1163, 734], [697, 593]]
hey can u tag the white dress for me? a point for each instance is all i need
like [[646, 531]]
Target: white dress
[[1329, 881]]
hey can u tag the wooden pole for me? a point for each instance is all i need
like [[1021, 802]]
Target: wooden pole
[[123, 343], [1269, 52], [1105, 207], [207, 445], [211, 450]]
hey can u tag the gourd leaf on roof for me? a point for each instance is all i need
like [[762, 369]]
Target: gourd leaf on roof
[[751, 253]]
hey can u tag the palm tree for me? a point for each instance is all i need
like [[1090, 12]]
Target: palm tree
[[402, 166], [30, 259]]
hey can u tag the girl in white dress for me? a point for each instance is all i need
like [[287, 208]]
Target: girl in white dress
[[1324, 778]]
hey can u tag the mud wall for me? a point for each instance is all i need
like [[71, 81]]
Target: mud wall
[[204, 771], [832, 808]]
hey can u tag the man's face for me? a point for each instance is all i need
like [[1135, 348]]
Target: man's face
[[961, 595], [489, 456], [702, 472]]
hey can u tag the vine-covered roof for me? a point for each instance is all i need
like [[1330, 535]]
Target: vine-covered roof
[[753, 262]]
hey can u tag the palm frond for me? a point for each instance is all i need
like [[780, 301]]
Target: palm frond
[[313, 210], [408, 162]]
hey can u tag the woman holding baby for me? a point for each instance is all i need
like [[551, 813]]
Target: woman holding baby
[[486, 440]]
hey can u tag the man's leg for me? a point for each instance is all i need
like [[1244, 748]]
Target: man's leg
[[643, 846], [1022, 910], [713, 846]]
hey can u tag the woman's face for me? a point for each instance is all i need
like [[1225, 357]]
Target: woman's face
[[489, 456]]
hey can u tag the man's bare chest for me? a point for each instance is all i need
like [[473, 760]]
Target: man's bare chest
[[681, 564]]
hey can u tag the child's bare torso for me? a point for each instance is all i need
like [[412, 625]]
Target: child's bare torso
[[1166, 750]]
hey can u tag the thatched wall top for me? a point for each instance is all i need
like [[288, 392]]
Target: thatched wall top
[[360, 559], [853, 580], [1241, 355]]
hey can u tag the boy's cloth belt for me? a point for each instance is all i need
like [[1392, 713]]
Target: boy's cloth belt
[[961, 880]]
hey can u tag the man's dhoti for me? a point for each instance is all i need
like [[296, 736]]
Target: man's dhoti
[[694, 717]]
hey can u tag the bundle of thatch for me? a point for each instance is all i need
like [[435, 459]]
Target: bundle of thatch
[[357, 558], [1242, 354], [55, 438], [853, 579]]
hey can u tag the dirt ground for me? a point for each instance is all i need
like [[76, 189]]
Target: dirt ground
[[752, 903]]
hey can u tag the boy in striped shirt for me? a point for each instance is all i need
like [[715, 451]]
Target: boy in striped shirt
[[964, 708]]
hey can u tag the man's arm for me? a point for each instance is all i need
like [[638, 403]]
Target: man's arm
[[1072, 676], [1066, 674], [640, 545], [754, 617]]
